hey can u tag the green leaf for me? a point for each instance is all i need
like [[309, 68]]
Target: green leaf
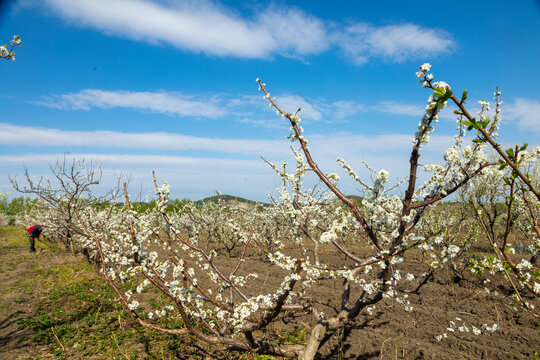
[[458, 112], [479, 140], [464, 96], [447, 94], [524, 147], [442, 99], [483, 123], [439, 92], [472, 124], [510, 153]]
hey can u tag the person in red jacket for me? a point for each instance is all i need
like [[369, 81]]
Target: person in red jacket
[[33, 233]]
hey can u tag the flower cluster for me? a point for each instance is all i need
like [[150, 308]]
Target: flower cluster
[[455, 328], [10, 54]]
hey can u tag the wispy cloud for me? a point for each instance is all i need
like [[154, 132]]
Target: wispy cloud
[[161, 102], [526, 112], [291, 103], [362, 41], [295, 32], [406, 109], [253, 110], [330, 145], [201, 26], [345, 109], [357, 146], [270, 123], [252, 178], [214, 29], [220, 170], [247, 108], [136, 160], [393, 107], [25, 135]]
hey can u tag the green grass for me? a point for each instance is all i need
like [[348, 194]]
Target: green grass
[[80, 318]]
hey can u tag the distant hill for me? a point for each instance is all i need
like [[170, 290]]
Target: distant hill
[[230, 199], [355, 198], [242, 201]]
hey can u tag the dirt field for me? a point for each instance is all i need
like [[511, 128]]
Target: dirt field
[[54, 305]]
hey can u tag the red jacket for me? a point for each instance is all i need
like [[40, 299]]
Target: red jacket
[[35, 230]]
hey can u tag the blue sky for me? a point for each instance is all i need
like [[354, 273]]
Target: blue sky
[[166, 85]]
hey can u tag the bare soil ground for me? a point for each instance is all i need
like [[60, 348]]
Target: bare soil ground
[[54, 305], [393, 333]]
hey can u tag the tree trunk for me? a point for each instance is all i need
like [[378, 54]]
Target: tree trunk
[[317, 334]]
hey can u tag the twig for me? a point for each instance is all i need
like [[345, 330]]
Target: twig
[[97, 312], [57, 339], [118, 346]]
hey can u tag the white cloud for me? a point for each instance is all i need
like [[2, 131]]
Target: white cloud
[[414, 110], [362, 41], [294, 31], [328, 145], [358, 146], [291, 103], [26, 135], [211, 28], [273, 123], [205, 28], [247, 109], [201, 26], [209, 106], [525, 111], [162, 102], [196, 177], [393, 107], [132, 160], [345, 108]]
